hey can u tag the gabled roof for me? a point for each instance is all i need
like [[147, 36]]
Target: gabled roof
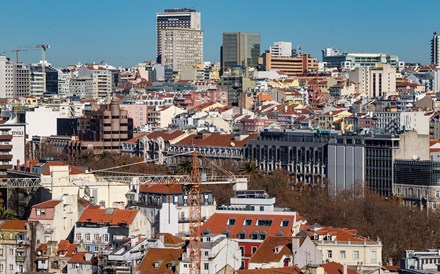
[[170, 240], [110, 216], [66, 246], [47, 204], [341, 234], [167, 135], [273, 249], [160, 257], [79, 258], [336, 268], [13, 225]]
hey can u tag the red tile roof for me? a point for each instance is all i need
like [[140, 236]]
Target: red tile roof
[[73, 170], [161, 256], [336, 268], [79, 258], [280, 270], [167, 135], [13, 225], [47, 204], [112, 216], [218, 224], [66, 246], [170, 240], [341, 234], [267, 252]]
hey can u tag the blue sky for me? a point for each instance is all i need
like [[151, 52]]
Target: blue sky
[[123, 32]]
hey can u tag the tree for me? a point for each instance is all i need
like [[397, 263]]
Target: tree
[[7, 214], [184, 167], [249, 168]]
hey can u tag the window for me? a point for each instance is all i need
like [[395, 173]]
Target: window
[[433, 205], [88, 237], [242, 250], [206, 266], [97, 237], [437, 194], [264, 222], [254, 248], [355, 255], [78, 236], [284, 223], [373, 257], [1, 251], [247, 222], [1, 267], [231, 221], [11, 251], [261, 208], [206, 253], [329, 254], [342, 254], [156, 264], [11, 267], [106, 237]]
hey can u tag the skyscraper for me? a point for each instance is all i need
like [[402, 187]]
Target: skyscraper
[[435, 50], [240, 49], [182, 48], [183, 18]]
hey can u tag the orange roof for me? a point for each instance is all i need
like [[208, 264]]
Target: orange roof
[[167, 135], [79, 258], [170, 240], [336, 268], [165, 189], [267, 252], [112, 216], [69, 248], [280, 270], [247, 223], [73, 170], [161, 257], [47, 204], [13, 225], [342, 234]]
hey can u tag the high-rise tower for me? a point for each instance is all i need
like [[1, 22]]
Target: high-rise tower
[[240, 49], [182, 18], [435, 50]]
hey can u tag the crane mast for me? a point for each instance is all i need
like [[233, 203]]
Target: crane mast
[[195, 217]]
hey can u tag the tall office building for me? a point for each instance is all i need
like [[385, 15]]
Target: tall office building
[[435, 50], [183, 18], [182, 48], [240, 49]]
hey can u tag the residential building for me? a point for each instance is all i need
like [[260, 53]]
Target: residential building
[[378, 81], [51, 78], [36, 83], [250, 219], [161, 117], [291, 66], [16, 79], [281, 48], [103, 84], [18, 244], [82, 263], [217, 252], [81, 86], [181, 48], [150, 199], [420, 262], [33, 120], [97, 228], [161, 260], [58, 217], [183, 18], [347, 247], [235, 85], [285, 251], [349, 61], [6, 149], [435, 50], [53, 257], [240, 49], [136, 111]]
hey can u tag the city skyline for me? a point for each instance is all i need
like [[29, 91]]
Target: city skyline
[[88, 31]]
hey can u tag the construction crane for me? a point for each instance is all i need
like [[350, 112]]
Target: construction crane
[[17, 53], [122, 179], [43, 47]]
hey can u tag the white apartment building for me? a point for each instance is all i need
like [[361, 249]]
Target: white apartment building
[[281, 49], [102, 81], [375, 82], [14, 79], [37, 84], [182, 48], [34, 119]]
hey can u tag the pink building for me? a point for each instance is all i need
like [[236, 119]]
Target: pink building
[[219, 96], [138, 112]]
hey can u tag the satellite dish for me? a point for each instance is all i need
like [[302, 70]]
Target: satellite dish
[[87, 191], [232, 144]]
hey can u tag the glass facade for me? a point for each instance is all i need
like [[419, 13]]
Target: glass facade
[[412, 172], [240, 49]]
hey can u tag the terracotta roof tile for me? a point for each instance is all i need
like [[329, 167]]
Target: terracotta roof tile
[[167, 135], [47, 204], [280, 270], [13, 225], [267, 252], [112, 216], [161, 256], [170, 240], [79, 258], [336, 268], [247, 223]]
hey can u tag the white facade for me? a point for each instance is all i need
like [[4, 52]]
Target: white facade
[[17, 79], [82, 87], [37, 84], [217, 251], [435, 50], [18, 142], [168, 219], [35, 126], [3, 61], [375, 82], [283, 49], [102, 80], [415, 121]]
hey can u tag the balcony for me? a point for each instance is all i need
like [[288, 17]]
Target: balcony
[[4, 157], [5, 137], [20, 258], [5, 147], [48, 230]]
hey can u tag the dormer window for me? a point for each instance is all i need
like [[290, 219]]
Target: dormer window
[[231, 221], [156, 265], [284, 223], [40, 212]]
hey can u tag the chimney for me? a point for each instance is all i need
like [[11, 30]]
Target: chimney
[[345, 269], [390, 261], [133, 241], [162, 238]]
